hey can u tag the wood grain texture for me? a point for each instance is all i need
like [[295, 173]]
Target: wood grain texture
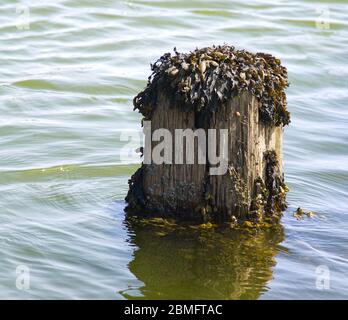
[[188, 191]]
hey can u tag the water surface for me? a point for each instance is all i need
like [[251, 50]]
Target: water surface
[[67, 82]]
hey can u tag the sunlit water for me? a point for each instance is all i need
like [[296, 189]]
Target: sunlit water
[[69, 71]]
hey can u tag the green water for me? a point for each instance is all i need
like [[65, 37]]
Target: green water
[[67, 82]]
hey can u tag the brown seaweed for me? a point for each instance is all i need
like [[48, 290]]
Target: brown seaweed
[[205, 78]]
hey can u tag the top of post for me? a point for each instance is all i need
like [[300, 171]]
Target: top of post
[[205, 78]]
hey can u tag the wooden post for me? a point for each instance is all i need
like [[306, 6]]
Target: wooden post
[[215, 88]]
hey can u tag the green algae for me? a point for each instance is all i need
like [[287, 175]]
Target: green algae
[[165, 226]]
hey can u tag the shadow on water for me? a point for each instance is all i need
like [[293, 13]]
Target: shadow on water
[[186, 262]]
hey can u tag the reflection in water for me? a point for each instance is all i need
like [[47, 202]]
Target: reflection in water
[[182, 262]]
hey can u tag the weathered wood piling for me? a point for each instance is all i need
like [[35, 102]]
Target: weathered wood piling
[[217, 88]]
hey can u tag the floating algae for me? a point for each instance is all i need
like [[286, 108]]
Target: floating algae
[[300, 213], [203, 79]]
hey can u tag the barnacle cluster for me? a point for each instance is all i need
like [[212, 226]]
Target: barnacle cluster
[[276, 187], [205, 78], [269, 200], [135, 196]]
